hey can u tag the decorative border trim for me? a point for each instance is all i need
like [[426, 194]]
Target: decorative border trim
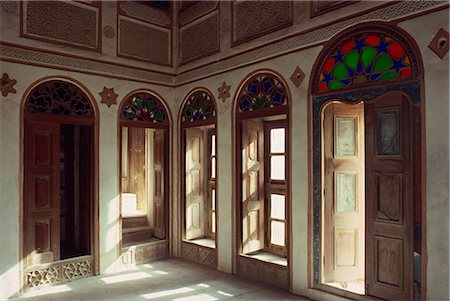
[[44, 58], [411, 88], [309, 38]]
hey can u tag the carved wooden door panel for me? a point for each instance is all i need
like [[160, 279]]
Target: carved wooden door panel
[[344, 193], [137, 166], [389, 198], [159, 193], [252, 186], [194, 184], [41, 199]]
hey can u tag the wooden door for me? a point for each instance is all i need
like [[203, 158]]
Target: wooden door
[[194, 161], [41, 199], [252, 186], [389, 198], [137, 167], [344, 193], [159, 190]]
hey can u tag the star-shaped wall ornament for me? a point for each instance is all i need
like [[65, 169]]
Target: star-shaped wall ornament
[[108, 96], [224, 92], [7, 84], [297, 76]]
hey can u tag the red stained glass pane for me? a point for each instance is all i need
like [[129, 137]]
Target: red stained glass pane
[[347, 46], [323, 87], [396, 50], [329, 64], [405, 72], [373, 40]]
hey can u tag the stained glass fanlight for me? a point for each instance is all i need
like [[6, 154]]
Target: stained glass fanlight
[[199, 107], [58, 98], [145, 107], [262, 91], [363, 58]]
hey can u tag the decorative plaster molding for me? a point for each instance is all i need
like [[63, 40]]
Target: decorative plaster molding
[[7, 85], [77, 64], [109, 98], [297, 76], [439, 43], [310, 38], [224, 92]]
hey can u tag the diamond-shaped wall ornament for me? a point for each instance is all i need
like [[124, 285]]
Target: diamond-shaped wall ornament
[[439, 43], [108, 96], [7, 84], [297, 76]]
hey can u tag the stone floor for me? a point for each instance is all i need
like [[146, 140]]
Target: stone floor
[[171, 279]]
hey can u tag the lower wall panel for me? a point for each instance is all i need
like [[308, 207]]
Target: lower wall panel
[[262, 271], [200, 254], [145, 252]]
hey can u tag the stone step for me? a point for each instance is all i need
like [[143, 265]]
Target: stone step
[[135, 221], [136, 234]]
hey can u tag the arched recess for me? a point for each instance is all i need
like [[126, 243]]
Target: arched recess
[[198, 176], [367, 196], [144, 134], [261, 112], [60, 198]]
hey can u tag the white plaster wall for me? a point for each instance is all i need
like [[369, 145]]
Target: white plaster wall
[[437, 152], [11, 160]]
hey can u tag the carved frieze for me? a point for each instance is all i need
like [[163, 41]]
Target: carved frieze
[[144, 41], [63, 22], [200, 38], [196, 10], [255, 18], [146, 13]]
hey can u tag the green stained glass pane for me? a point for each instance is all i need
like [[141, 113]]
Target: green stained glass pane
[[351, 59], [150, 104], [159, 116], [340, 72], [367, 55], [388, 75], [384, 62], [334, 84]]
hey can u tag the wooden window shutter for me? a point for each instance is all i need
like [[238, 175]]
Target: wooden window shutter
[[194, 184], [252, 186], [159, 193]]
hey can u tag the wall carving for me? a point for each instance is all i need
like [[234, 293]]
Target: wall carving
[[146, 13], [293, 43], [58, 272], [109, 31], [269, 273], [196, 10], [200, 254], [7, 85], [145, 252], [9, 7], [324, 6], [200, 39], [144, 41], [63, 22], [255, 18]]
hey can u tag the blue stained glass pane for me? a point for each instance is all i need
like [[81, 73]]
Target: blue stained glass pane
[[374, 76], [351, 72], [254, 88], [369, 69], [267, 85], [346, 82]]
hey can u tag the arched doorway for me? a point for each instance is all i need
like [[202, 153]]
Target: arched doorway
[[262, 140], [367, 197], [199, 177], [59, 183], [144, 176]]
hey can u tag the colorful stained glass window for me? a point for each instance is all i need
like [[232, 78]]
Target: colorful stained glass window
[[368, 57], [260, 92], [198, 107], [145, 107], [59, 98]]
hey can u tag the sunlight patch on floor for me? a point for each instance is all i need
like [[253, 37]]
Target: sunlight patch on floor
[[126, 277]]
